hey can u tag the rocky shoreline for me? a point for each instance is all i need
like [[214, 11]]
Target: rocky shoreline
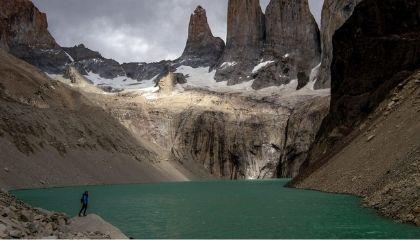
[[19, 220]]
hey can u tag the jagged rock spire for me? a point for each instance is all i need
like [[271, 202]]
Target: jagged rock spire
[[202, 48]]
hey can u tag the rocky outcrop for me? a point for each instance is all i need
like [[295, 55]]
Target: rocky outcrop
[[245, 38], [167, 84], [334, 14], [146, 71], [80, 53], [23, 24], [19, 220], [24, 33], [87, 61], [202, 48]]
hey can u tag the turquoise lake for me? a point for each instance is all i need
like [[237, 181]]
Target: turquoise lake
[[223, 209]]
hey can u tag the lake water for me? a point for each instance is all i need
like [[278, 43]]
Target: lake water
[[223, 209]]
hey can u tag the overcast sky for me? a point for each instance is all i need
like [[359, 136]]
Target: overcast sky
[[134, 30]]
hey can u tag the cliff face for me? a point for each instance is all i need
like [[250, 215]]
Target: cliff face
[[365, 73], [202, 48], [334, 14], [24, 33], [225, 136], [363, 70], [292, 34], [273, 49], [245, 36]]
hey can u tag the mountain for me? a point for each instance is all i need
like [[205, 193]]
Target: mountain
[[245, 36], [202, 48], [368, 144], [52, 135], [292, 40], [271, 49], [334, 14], [24, 33]]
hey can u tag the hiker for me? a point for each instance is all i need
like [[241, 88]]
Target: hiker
[[84, 201]]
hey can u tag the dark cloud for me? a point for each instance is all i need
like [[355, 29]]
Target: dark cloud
[[134, 30]]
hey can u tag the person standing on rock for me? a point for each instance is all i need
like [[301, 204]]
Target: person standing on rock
[[84, 201]]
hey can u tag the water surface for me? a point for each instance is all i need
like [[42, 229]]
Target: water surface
[[223, 209]]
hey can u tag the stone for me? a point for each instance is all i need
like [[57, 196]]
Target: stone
[[370, 138], [25, 216], [33, 227], [417, 221], [2, 228], [6, 169], [15, 234], [202, 48], [410, 217]]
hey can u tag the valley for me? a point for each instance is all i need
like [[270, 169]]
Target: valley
[[329, 108]]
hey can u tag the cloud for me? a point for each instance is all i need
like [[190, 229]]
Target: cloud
[[133, 30]]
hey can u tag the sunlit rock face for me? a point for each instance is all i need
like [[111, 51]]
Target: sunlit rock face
[[24, 33], [202, 48]]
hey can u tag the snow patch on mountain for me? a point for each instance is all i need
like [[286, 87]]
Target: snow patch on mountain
[[122, 82], [260, 66]]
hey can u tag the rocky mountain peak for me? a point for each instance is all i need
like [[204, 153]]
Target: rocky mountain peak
[[81, 52], [244, 41], [21, 23], [202, 48], [24, 33]]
